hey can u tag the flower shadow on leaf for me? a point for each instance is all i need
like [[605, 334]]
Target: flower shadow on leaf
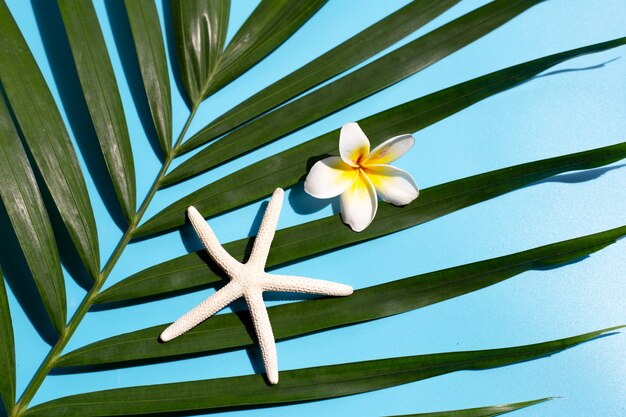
[[301, 202]]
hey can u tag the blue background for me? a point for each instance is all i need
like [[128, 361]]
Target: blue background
[[565, 112]]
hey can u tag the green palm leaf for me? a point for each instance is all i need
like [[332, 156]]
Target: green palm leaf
[[348, 54], [206, 67], [491, 411], [7, 352], [227, 331], [146, 30], [24, 204], [330, 233], [357, 85], [295, 386], [286, 168], [102, 97], [40, 122], [200, 30], [34, 144], [269, 25]]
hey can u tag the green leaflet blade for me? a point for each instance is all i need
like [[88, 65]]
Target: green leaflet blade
[[7, 352], [227, 331], [300, 385], [350, 53], [330, 233], [28, 215], [102, 97], [47, 138], [200, 31], [146, 30], [491, 411], [357, 85], [269, 25], [290, 166]]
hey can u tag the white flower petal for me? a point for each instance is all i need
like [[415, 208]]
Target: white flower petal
[[390, 150], [394, 185], [353, 144], [359, 203], [329, 177]]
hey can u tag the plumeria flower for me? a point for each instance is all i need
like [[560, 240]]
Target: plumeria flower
[[360, 176]]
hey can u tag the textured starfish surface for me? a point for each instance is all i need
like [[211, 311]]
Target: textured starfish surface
[[249, 280]]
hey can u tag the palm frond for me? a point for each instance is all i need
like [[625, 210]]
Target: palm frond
[[361, 83], [200, 28], [25, 207], [330, 233], [296, 386], [269, 25], [146, 30], [7, 352], [348, 54], [490, 411], [287, 168], [102, 97], [227, 331], [40, 178], [43, 129]]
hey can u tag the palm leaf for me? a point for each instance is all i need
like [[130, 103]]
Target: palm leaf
[[491, 411], [363, 82], [102, 97], [269, 25], [146, 30], [348, 54], [47, 138], [296, 386], [286, 168], [207, 64], [7, 352], [200, 30], [227, 331], [28, 215], [330, 233]]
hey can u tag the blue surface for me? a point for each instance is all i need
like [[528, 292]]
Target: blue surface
[[551, 115]]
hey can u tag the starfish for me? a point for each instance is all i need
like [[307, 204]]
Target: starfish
[[249, 280]]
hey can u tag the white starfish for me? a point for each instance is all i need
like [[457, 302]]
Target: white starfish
[[249, 280]]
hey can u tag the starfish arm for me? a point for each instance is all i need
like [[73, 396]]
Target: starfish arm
[[222, 258], [264, 334], [203, 311], [288, 283], [264, 237]]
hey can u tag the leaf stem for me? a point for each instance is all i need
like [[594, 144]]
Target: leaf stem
[[48, 363]]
